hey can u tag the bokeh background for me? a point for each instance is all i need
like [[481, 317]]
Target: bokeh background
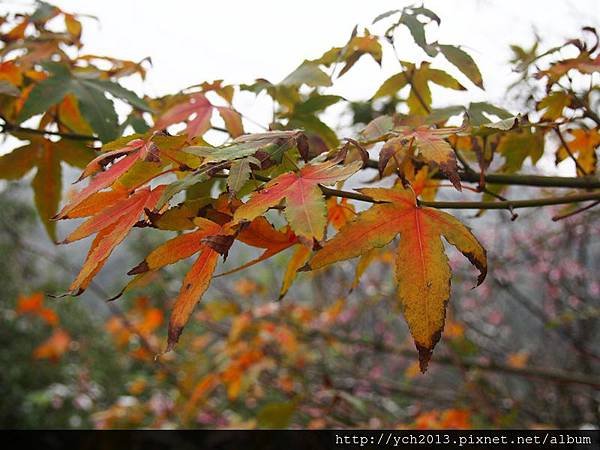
[[519, 351]]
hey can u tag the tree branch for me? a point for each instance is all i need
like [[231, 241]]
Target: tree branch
[[508, 179], [548, 374], [521, 180], [9, 127], [507, 204], [504, 204]]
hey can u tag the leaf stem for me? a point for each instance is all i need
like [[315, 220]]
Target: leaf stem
[[577, 211]]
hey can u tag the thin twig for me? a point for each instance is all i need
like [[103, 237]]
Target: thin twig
[[569, 152], [577, 211], [8, 128]]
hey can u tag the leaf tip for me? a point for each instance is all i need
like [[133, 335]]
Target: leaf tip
[[140, 268], [480, 264], [424, 356], [115, 297], [173, 337]]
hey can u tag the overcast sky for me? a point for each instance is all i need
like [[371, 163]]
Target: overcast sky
[[193, 41]]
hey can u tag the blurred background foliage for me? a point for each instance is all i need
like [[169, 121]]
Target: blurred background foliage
[[514, 354], [520, 351]]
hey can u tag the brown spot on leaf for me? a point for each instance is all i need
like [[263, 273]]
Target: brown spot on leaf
[[303, 147]]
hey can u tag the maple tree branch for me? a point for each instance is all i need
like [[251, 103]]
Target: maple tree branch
[[577, 211], [471, 177], [553, 375], [507, 204], [503, 204], [520, 179], [8, 127]]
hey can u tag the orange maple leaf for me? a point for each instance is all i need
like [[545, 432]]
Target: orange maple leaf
[[34, 304], [134, 151], [54, 347], [111, 226], [198, 278], [583, 147], [422, 269]]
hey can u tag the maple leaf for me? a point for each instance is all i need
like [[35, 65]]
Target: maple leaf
[[196, 111], [583, 145], [111, 225], [554, 104], [272, 143], [34, 304], [240, 172], [426, 143], [121, 160], [46, 156], [298, 260], [232, 120], [339, 214], [305, 208], [517, 146], [96, 203], [463, 62], [97, 109], [410, 17], [354, 49], [260, 233], [69, 117], [418, 78], [141, 148], [54, 347], [307, 73], [422, 269], [11, 77], [197, 279], [583, 63]]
